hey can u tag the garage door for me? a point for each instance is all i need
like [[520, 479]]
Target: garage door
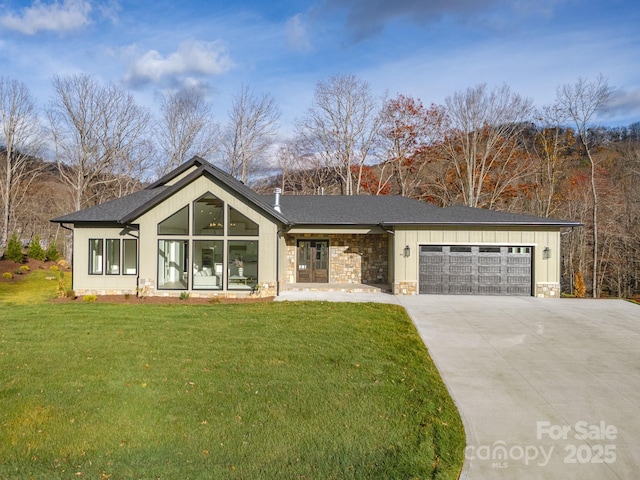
[[475, 270]]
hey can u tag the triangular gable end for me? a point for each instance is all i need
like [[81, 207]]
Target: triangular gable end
[[186, 174]]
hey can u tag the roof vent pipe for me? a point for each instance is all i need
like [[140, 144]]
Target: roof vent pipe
[[276, 204]]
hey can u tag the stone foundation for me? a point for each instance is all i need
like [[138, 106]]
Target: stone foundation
[[547, 290], [146, 288]]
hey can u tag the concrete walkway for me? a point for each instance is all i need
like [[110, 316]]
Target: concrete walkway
[[547, 389]]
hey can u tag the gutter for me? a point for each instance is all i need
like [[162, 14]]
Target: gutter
[[73, 277]]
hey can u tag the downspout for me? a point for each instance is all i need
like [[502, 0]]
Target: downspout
[[72, 250], [130, 229], [391, 259], [278, 233]]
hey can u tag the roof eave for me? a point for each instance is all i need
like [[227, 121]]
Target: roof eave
[[483, 224]]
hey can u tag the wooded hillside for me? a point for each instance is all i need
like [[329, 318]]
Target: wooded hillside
[[488, 148]]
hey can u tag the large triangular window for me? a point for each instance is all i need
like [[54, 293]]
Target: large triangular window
[[208, 215], [176, 224], [240, 225]]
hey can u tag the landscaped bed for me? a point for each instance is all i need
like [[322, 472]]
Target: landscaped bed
[[300, 390]]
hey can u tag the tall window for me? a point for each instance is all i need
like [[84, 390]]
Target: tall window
[[243, 264], [95, 256], [130, 256], [208, 264], [173, 257], [113, 256], [241, 225], [208, 215], [176, 224]]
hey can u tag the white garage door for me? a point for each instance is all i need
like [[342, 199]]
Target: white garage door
[[475, 270]]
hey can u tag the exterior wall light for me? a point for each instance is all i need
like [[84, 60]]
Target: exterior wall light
[[406, 252], [546, 253]]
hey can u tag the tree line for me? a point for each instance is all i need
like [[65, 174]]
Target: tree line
[[483, 147]]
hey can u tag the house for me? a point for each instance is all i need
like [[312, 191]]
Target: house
[[199, 230]]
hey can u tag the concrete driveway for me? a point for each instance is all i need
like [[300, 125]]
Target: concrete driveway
[[547, 388]]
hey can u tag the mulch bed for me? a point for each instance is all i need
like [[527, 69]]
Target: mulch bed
[[11, 267]]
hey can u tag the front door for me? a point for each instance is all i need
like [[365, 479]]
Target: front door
[[313, 261]]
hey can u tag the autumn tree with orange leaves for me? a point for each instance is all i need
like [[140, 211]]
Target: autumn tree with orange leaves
[[408, 129]]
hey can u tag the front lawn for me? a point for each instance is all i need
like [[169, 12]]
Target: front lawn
[[305, 390]]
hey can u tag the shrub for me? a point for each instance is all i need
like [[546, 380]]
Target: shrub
[[52, 254], [24, 268], [14, 249], [70, 294], [89, 298], [7, 275], [184, 296], [17, 271], [54, 268], [62, 287], [579, 287], [35, 251]]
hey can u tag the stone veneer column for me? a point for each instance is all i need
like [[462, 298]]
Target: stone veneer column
[[548, 290]]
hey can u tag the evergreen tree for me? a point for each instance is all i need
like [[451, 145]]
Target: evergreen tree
[[35, 250], [14, 249]]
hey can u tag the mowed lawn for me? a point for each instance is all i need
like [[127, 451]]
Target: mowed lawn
[[301, 390]]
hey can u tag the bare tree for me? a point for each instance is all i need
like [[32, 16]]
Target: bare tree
[[20, 140], [484, 141], [186, 128], [551, 145], [303, 172], [342, 127], [580, 101], [249, 133], [95, 130]]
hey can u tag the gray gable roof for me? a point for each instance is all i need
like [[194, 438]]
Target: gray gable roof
[[396, 210], [126, 209], [115, 210], [304, 209]]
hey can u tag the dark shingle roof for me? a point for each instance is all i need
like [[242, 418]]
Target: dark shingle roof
[[353, 210], [395, 210], [303, 209], [113, 210]]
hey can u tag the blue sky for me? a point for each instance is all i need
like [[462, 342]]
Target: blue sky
[[427, 49]]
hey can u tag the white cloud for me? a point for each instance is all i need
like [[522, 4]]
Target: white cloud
[[56, 17], [624, 103], [193, 59], [297, 37]]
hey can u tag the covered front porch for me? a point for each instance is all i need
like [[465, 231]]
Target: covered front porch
[[340, 262]]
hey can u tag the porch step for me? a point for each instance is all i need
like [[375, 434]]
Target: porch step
[[335, 287]]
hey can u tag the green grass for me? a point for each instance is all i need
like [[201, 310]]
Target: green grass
[[307, 390], [37, 286]]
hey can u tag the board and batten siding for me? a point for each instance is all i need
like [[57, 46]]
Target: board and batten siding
[[83, 283], [148, 223], [546, 272]]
